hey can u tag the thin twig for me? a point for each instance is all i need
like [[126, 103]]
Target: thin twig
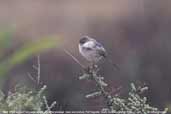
[[31, 77], [74, 58], [35, 67], [46, 103], [53, 105], [38, 70]]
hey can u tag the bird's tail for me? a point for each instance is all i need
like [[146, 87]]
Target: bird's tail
[[111, 62]]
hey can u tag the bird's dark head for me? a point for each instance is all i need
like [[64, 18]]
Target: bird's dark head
[[84, 39]]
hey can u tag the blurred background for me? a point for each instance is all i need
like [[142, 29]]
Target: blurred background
[[136, 34]]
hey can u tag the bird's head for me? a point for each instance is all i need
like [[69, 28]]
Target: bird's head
[[84, 39]]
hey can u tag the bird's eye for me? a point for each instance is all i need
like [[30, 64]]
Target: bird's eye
[[83, 40]]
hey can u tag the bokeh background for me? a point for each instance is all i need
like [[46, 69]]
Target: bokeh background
[[136, 34]]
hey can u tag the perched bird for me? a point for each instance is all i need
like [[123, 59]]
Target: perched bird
[[92, 50]]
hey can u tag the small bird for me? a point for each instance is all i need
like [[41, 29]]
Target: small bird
[[92, 50]]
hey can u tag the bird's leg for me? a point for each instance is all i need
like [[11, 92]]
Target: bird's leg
[[89, 68]]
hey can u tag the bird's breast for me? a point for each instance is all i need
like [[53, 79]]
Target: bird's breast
[[90, 54]]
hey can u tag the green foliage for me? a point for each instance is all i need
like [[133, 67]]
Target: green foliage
[[24, 99], [21, 100], [133, 104]]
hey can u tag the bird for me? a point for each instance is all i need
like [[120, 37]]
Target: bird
[[93, 51]]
